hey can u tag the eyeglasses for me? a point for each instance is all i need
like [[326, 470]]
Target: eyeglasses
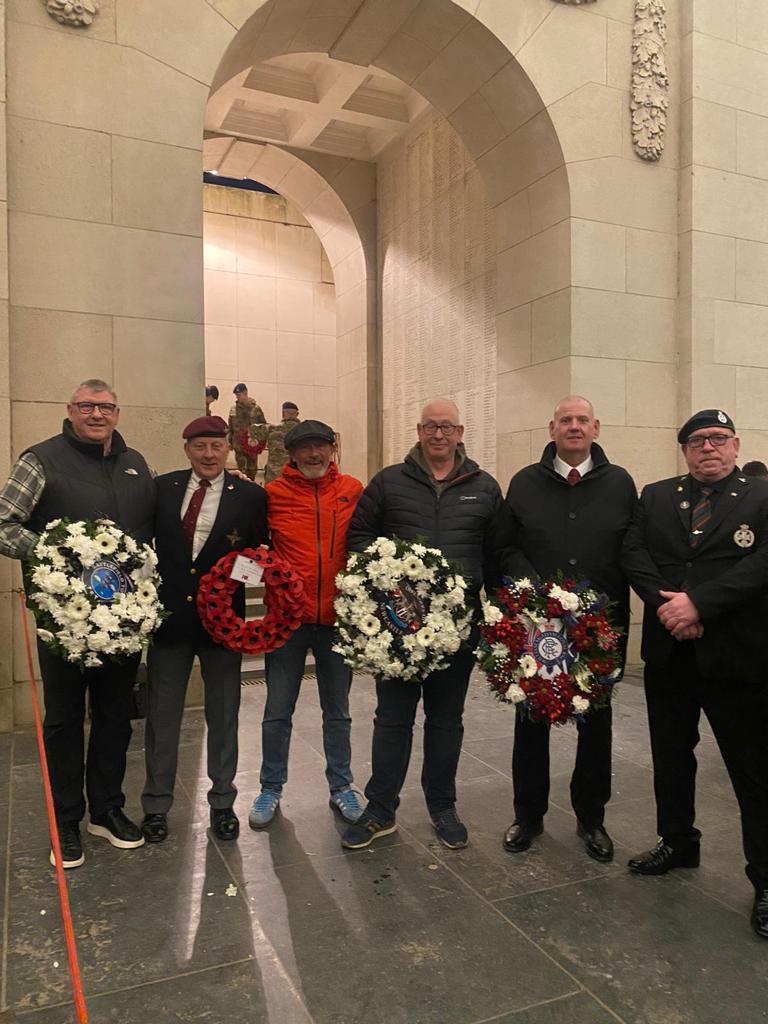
[[446, 429], [716, 440], [86, 408]]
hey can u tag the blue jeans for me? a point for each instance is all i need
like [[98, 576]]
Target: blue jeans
[[284, 671]]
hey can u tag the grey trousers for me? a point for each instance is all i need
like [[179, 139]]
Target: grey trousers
[[169, 667]]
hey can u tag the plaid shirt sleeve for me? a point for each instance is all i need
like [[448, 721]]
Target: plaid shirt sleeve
[[18, 499]]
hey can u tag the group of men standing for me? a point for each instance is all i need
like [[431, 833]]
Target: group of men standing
[[695, 549]]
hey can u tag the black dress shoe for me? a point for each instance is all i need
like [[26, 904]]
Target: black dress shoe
[[759, 918], [224, 823], [597, 842], [154, 828], [663, 858], [521, 834]]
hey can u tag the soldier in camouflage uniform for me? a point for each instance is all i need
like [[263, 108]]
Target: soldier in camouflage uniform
[[242, 416], [273, 436]]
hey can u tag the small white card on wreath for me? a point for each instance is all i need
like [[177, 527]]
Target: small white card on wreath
[[245, 570]]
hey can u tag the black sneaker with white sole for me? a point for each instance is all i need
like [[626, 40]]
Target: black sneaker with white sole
[[452, 831], [70, 845], [117, 829]]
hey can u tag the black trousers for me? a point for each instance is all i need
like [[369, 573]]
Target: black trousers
[[591, 779], [676, 694], [103, 767], [169, 667], [443, 694]]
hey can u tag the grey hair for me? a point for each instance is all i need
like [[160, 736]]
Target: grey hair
[[94, 384]]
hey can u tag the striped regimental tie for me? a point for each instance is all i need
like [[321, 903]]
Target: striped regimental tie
[[702, 513]]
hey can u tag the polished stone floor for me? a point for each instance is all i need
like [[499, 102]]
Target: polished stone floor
[[283, 927]]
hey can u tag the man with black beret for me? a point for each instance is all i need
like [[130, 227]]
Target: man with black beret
[[203, 513], [697, 554]]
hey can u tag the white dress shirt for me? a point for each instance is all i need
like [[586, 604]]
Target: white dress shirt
[[564, 469], [208, 510]]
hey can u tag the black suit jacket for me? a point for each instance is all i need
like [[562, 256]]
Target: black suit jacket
[[241, 522], [726, 575]]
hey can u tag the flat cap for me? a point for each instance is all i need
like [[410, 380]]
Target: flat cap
[[309, 430], [239, 388], [212, 392], [705, 418], [205, 426]]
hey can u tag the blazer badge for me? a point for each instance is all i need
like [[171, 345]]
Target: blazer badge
[[744, 537]]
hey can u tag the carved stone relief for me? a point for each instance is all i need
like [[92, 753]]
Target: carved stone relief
[[76, 13], [649, 101]]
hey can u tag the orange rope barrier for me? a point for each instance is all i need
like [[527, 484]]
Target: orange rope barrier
[[69, 932]]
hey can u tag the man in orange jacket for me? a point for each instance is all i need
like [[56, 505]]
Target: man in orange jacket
[[309, 508]]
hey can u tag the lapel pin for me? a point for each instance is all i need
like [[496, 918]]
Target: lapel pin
[[734, 494], [230, 487], [680, 488], [685, 504]]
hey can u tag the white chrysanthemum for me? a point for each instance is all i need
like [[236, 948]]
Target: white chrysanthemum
[[45, 635], [103, 617], [522, 584], [99, 640], [146, 593], [418, 549], [455, 598], [350, 583], [55, 582], [500, 651], [75, 529], [425, 636], [569, 601], [580, 705], [413, 567], [92, 660], [515, 694], [492, 614], [528, 666], [53, 524], [369, 625], [105, 543], [79, 607]]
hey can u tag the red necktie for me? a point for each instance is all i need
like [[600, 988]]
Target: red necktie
[[573, 477], [702, 513], [189, 522]]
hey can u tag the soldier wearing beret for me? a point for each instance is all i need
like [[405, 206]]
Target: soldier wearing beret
[[272, 435], [697, 554], [242, 416], [203, 513]]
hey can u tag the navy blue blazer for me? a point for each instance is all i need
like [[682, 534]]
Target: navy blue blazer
[[241, 522]]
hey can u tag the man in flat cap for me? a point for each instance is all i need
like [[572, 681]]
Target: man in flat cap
[[242, 416], [272, 435], [203, 513], [697, 554], [310, 507]]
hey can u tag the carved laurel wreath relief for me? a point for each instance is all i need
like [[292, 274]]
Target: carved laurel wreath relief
[[77, 13], [649, 89]]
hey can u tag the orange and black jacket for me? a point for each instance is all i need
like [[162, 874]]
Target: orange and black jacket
[[308, 520]]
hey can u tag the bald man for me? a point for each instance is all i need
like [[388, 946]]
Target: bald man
[[569, 513], [442, 498]]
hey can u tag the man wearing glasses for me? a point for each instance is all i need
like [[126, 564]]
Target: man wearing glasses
[[85, 472], [444, 499], [697, 554]]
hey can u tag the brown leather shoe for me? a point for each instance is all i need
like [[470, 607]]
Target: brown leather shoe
[[224, 823], [521, 834]]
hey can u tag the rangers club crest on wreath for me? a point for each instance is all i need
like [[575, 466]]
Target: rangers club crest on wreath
[[105, 580], [402, 610], [548, 645]]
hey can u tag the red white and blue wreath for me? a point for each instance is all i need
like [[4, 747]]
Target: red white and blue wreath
[[550, 647]]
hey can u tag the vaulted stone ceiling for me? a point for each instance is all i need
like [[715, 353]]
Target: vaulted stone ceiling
[[310, 102]]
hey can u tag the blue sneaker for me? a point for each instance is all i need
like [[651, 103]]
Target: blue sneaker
[[346, 802], [263, 808]]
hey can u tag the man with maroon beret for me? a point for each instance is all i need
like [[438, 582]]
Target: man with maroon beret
[[202, 514]]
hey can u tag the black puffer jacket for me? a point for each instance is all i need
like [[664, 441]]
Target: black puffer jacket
[[466, 521]]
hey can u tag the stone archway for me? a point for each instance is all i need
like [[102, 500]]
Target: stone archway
[[470, 77], [335, 197]]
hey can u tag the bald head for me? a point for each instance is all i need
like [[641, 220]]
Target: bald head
[[573, 428], [440, 432], [441, 410]]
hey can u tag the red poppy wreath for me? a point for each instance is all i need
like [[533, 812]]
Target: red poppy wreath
[[251, 450], [284, 598]]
